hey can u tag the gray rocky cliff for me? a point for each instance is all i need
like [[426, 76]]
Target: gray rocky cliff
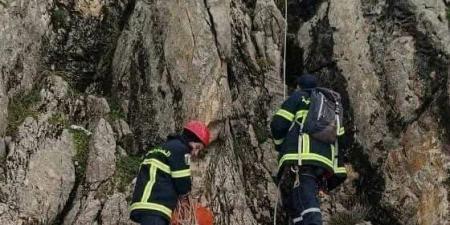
[[86, 87]]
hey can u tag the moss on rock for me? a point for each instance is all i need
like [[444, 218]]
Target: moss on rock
[[81, 141], [20, 107]]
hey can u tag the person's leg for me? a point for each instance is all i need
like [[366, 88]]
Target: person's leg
[[289, 196], [153, 220], [297, 204], [304, 197], [308, 191], [289, 203]]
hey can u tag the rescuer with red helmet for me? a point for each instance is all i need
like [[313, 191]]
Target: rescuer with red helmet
[[165, 175]]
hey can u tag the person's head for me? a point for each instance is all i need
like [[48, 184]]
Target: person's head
[[197, 135], [307, 81]]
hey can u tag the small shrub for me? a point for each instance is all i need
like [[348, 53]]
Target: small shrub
[[126, 170], [264, 64], [447, 185], [357, 214], [59, 17], [20, 107], [63, 74], [261, 134], [68, 77], [81, 141], [448, 13], [116, 110], [58, 119], [447, 181]]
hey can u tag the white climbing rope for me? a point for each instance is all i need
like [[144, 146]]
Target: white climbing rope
[[284, 48], [276, 205]]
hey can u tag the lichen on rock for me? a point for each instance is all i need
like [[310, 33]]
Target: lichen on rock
[[87, 87]]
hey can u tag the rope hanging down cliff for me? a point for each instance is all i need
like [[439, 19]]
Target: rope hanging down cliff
[[284, 48]]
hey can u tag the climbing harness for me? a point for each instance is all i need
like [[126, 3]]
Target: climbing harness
[[300, 145], [336, 144], [295, 170]]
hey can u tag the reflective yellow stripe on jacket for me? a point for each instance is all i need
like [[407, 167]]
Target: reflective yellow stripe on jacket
[[341, 131], [301, 114], [165, 168], [149, 186], [160, 165], [181, 173], [340, 170], [285, 114], [278, 142], [154, 165], [152, 206], [307, 155], [306, 145]]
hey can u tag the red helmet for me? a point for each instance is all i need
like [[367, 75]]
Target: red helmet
[[200, 130]]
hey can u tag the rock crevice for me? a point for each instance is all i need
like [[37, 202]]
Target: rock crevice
[[103, 81]]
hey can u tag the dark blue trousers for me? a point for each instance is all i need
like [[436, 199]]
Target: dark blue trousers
[[302, 203], [153, 220]]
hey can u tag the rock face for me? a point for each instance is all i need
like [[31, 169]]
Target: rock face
[[351, 37], [391, 59], [114, 77], [115, 211], [166, 86], [3, 106], [97, 107], [99, 170], [101, 161], [23, 23], [146, 62], [39, 173]]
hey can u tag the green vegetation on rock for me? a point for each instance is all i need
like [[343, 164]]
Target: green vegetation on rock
[[448, 13], [81, 141], [116, 111], [127, 168], [59, 119], [264, 64], [59, 17], [20, 107], [261, 134], [357, 214], [447, 184]]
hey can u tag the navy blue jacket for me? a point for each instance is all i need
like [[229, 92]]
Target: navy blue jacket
[[285, 128], [164, 175]]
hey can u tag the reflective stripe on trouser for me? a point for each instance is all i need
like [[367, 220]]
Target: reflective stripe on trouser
[[306, 206]]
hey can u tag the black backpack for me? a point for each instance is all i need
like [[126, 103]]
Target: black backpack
[[324, 116]]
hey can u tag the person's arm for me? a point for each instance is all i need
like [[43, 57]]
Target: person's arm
[[283, 118], [180, 172]]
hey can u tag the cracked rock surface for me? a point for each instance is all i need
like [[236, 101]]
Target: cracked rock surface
[[87, 87]]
